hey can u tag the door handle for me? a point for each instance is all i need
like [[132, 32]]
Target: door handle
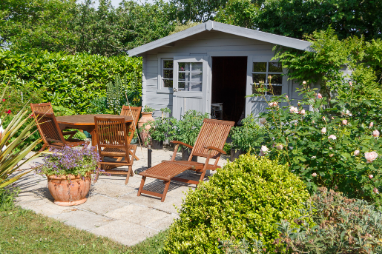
[[175, 90]]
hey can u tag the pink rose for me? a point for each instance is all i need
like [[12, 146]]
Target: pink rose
[[371, 125], [319, 96], [371, 156], [345, 122], [304, 82], [273, 104], [332, 137], [350, 83], [376, 134], [286, 96], [293, 109], [263, 120], [279, 147], [371, 176], [356, 152], [375, 190], [323, 130], [314, 174], [302, 112]]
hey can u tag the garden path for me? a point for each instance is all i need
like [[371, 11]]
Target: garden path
[[113, 209]]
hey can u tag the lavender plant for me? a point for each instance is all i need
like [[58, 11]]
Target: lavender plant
[[336, 143], [69, 161]]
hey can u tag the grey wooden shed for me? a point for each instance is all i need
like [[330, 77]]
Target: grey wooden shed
[[211, 67]]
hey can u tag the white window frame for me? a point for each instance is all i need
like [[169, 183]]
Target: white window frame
[[267, 73], [162, 72], [160, 85]]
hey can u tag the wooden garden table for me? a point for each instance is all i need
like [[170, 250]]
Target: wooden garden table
[[85, 122]]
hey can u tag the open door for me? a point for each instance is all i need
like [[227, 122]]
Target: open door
[[190, 85]]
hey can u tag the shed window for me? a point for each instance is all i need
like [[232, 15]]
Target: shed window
[[190, 76], [167, 72], [261, 73]]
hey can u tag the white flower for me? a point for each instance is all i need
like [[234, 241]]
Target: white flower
[[344, 122], [346, 112], [263, 120], [332, 137], [350, 83], [376, 134], [263, 151], [279, 147], [314, 174], [302, 112], [293, 109], [356, 152], [304, 82], [273, 104], [313, 157], [371, 156], [371, 125], [371, 176], [323, 130]]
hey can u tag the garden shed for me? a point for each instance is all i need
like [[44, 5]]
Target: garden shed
[[211, 67]]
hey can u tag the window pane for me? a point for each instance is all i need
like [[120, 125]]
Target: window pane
[[258, 77], [196, 87], [183, 86], [256, 87], [277, 79], [167, 83], [168, 74], [168, 64], [184, 66], [275, 90], [184, 76], [259, 67], [197, 66], [196, 77], [275, 67]]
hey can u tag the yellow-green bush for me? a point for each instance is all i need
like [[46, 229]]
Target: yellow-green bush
[[245, 199]]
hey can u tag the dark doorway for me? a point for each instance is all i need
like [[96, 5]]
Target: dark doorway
[[229, 78]]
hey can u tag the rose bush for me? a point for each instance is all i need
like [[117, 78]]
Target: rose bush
[[336, 143]]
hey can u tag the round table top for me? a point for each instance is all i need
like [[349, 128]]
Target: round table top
[[86, 119]]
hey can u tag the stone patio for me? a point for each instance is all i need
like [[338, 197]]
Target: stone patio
[[113, 209]]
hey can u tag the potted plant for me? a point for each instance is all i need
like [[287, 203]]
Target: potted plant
[[245, 137], [187, 130], [147, 116], [160, 129], [69, 174]]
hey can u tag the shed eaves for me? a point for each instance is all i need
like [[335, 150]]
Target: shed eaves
[[216, 26]]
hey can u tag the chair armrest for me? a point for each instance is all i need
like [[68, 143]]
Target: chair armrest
[[181, 143], [216, 149]]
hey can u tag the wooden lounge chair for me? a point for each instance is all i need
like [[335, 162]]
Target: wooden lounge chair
[[47, 108], [113, 142], [209, 144], [50, 132]]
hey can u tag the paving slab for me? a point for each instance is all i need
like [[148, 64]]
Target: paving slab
[[113, 209]]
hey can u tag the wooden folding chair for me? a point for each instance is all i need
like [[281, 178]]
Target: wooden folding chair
[[47, 108], [113, 142], [209, 144], [50, 132]]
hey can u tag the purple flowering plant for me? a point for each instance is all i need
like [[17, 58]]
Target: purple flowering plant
[[69, 161]]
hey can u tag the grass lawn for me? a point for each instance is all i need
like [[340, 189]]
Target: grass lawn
[[23, 231]]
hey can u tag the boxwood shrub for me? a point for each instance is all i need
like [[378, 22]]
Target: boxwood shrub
[[245, 199]]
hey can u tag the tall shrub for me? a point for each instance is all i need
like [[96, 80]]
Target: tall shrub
[[245, 199], [72, 81]]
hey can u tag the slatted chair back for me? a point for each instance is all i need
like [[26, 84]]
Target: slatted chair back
[[48, 127], [213, 133], [42, 107], [133, 112], [111, 133]]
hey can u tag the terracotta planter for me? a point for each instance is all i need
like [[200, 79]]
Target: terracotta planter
[[68, 193], [146, 117]]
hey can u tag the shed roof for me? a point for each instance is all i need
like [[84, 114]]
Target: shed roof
[[216, 26]]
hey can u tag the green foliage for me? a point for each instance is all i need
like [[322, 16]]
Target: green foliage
[[296, 18], [7, 198], [187, 129], [74, 28], [13, 149], [329, 145], [115, 95], [70, 81], [181, 27], [148, 109], [247, 136], [197, 10], [244, 199], [342, 226], [239, 13], [233, 247], [160, 128]]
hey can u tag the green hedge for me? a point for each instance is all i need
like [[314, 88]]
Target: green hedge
[[71, 81], [245, 199]]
